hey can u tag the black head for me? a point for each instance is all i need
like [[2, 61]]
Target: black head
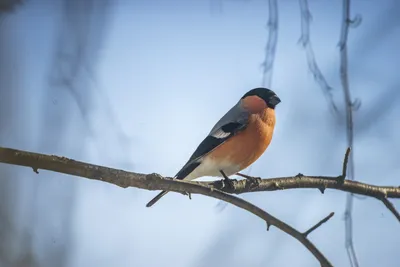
[[269, 96]]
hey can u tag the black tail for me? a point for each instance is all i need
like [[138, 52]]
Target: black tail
[[185, 171], [156, 198]]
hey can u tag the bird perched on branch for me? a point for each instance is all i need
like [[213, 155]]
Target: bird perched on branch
[[237, 140]]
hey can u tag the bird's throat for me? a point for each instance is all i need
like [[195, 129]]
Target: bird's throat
[[267, 116]]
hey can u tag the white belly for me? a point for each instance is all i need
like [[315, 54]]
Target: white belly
[[209, 167]]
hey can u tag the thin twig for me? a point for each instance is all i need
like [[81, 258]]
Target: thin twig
[[342, 177], [324, 220], [150, 182], [391, 207], [311, 59]]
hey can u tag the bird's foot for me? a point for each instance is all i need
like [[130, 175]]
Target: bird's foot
[[227, 181]]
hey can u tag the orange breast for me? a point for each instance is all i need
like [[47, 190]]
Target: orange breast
[[248, 145]]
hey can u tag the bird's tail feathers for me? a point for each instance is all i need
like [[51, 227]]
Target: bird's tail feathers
[[156, 198]]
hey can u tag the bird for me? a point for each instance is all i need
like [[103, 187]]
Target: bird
[[235, 142]]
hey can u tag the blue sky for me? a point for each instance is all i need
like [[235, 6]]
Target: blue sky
[[166, 72]]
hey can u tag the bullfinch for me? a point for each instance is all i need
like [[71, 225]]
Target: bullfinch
[[237, 140]]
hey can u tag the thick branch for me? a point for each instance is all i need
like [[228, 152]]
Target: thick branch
[[319, 182], [150, 182]]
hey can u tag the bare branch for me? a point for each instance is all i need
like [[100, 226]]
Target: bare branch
[[311, 60], [391, 207], [307, 182], [270, 48], [321, 222], [35, 161], [150, 182], [319, 182]]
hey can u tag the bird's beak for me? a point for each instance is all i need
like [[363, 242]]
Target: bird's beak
[[274, 100]]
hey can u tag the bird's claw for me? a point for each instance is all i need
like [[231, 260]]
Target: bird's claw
[[226, 180], [227, 183]]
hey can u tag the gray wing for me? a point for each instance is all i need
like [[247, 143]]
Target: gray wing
[[236, 114], [234, 121]]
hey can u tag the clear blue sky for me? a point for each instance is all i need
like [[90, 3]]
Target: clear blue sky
[[167, 70]]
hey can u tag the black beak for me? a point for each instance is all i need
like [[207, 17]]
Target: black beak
[[274, 100]]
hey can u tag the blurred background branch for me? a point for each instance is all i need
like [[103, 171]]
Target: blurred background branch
[[350, 105], [270, 48], [36, 224], [305, 41]]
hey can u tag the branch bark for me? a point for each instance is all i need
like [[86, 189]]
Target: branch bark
[[217, 189], [308, 182], [381, 193], [150, 182]]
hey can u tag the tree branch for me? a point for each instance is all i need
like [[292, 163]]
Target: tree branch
[[216, 189], [381, 193], [150, 182], [321, 222], [391, 207], [307, 182]]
